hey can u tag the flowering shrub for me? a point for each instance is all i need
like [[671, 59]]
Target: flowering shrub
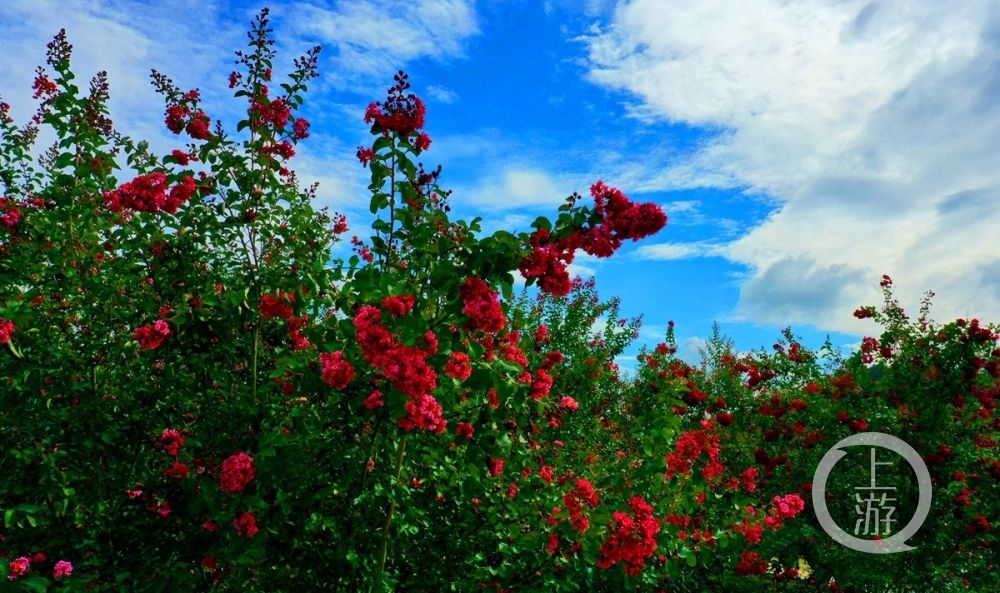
[[195, 396]]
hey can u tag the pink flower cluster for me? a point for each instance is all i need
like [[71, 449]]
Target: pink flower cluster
[[459, 366], [236, 472], [632, 539], [151, 336], [621, 219], [279, 305], [690, 445], [150, 193], [337, 371], [401, 113], [6, 330], [574, 500], [20, 566], [245, 525], [404, 366], [784, 507], [195, 121], [482, 306], [171, 440]]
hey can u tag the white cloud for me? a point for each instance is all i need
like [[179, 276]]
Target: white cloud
[[872, 125], [520, 187], [376, 38], [691, 350], [673, 251], [442, 94]]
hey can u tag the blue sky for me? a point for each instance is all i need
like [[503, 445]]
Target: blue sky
[[800, 149]]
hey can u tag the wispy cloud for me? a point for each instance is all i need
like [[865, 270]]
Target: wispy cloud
[[442, 94], [675, 251], [372, 39], [873, 127]]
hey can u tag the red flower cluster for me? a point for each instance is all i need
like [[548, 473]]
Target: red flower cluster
[[374, 401], [620, 219], [149, 193], [583, 492], [6, 330], [245, 525], [10, 213], [196, 122], [279, 305], [294, 327], [236, 472], [689, 446], [399, 305], [177, 470], [401, 113], [632, 539], [152, 336], [172, 441], [337, 372], [464, 429], [459, 366], [750, 563], [541, 385], [784, 507], [482, 306], [424, 412], [18, 567], [495, 466], [274, 113], [752, 533], [404, 366]]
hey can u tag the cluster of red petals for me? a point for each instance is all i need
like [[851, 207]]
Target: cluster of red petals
[[750, 563], [177, 470], [172, 441], [574, 500], [752, 532], [620, 219], [374, 400], [401, 113], [10, 213], [464, 429], [294, 327], [404, 366], [399, 305], [279, 305], [495, 466], [549, 260], [784, 507], [18, 566], [6, 330], [236, 472], [43, 86], [152, 336], [482, 306], [459, 366], [632, 539], [150, 193], [541, 385], [337, 371], [196, 122], [690, 445], [425, 412], [245, 525], [273, 113]]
